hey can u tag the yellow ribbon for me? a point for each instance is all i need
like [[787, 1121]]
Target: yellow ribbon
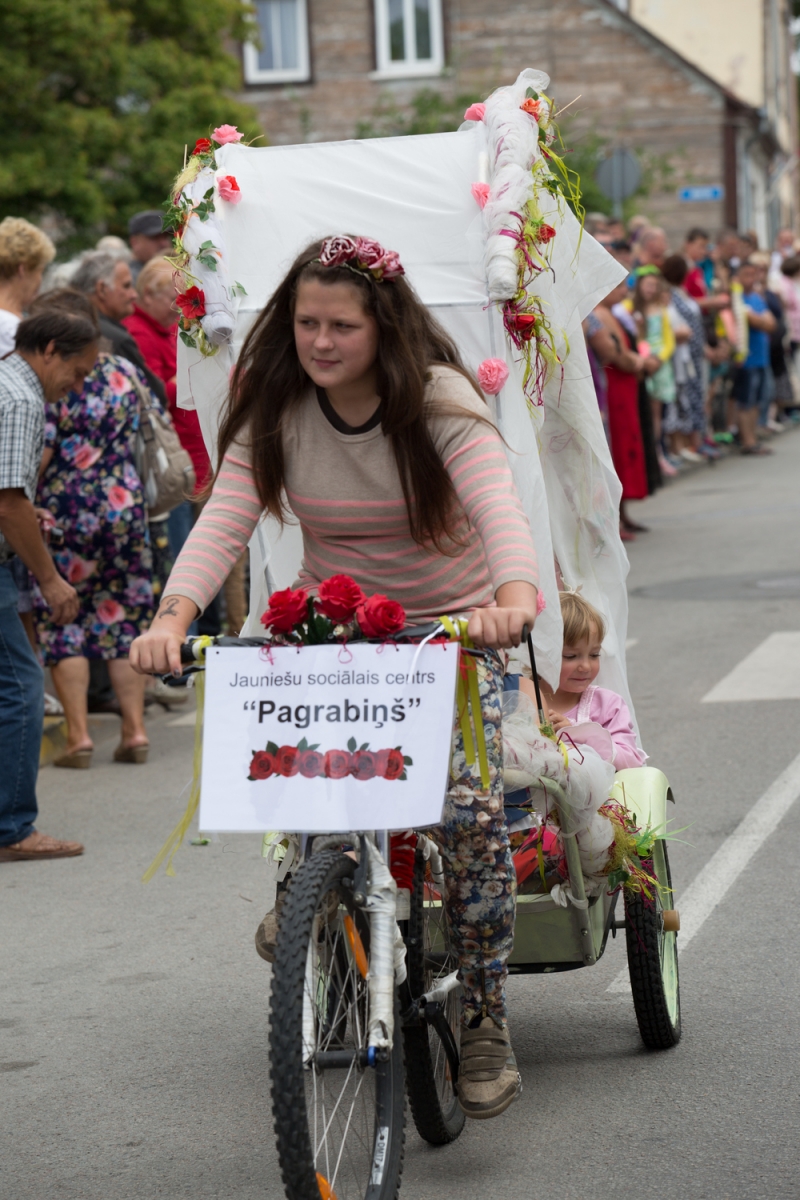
[[469, 698], [173, 842]]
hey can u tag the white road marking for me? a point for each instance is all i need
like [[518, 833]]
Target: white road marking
[[186, 718], [631, 642], [771, 672], [724, 867]]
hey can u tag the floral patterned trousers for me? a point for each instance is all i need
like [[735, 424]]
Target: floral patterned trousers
[[480, 881]]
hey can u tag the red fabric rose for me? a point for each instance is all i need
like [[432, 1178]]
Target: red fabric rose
[[339, 597], [286, 609], [380, 617], [337, 764], [262, 765], [192, 303], [287, 760], [524, 324], [363, 764], [389, 764], [202, 146], [545, 233], [312, 764]]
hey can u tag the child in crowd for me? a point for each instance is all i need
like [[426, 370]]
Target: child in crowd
[[578, 707], [660, 331]]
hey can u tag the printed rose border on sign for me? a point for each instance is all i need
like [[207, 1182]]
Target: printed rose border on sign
[[312, 763]]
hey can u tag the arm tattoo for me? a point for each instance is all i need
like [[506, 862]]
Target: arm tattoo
[[169, 607]]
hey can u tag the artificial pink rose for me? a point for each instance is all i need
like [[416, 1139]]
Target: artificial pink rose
[[229, 189], [475, 112], [541, 603], [226, 133], [481, 193], [110, 611], [369, 253], [492, 375], [86, 456], [79, 569], [337, 250], [392, 267], [312, 763], [119, 498], [545, 233], [363, 764], [337, 764]]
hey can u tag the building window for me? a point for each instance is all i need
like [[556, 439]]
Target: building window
[[282, 56], [409, 38]]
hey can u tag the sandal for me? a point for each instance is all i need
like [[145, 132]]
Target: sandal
[[131, 754], [80, 760]]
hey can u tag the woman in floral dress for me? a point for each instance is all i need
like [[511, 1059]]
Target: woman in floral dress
[[90, 485]]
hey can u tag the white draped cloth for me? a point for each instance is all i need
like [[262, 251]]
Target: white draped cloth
[[413, 194]]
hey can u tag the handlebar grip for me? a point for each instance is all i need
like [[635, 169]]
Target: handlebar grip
[[525, 632], [187, 653]]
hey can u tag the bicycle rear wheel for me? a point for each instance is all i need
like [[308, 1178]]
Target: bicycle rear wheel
[[339, 1121], [434, 1105]]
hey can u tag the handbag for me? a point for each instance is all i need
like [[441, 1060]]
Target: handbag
[[162, 464]]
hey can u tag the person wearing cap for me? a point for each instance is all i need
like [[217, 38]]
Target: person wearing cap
[[147, 238]]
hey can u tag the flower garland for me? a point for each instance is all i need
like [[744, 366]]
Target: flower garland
[[180, 208], [524, 317]]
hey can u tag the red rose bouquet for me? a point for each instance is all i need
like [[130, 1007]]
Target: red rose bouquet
[[339, 612]]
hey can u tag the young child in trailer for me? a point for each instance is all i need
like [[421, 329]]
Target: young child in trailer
[[578, 707]]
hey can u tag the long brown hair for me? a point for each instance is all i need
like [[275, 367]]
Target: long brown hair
[[269, 381]]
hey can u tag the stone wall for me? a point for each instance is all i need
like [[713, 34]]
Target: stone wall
[[633, 91]]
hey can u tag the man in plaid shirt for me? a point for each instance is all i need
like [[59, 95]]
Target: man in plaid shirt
[[54, 354]]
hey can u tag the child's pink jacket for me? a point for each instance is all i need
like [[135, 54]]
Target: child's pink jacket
[[599, 706]]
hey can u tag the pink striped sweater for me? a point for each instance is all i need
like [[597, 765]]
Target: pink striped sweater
[[345, 491]]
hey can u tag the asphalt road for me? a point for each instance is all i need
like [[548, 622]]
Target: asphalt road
[[133, 1019]]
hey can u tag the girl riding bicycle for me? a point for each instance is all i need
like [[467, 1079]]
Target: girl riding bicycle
[[350, 409]]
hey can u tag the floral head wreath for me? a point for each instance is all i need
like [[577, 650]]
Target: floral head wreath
[[361, 255]]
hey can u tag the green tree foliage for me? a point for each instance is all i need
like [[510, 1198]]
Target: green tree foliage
[[99, 98]]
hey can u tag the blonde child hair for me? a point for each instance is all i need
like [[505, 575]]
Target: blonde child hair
[[580, 619]]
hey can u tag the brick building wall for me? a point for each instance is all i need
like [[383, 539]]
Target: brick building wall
[[633, 90]]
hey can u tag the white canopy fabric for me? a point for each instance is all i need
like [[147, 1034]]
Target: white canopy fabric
[[413, 194]]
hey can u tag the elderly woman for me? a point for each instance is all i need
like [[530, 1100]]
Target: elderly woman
[[154, 325], [24, 253], [90, 486]]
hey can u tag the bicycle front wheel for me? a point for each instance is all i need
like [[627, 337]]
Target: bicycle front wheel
[[338, 1111]]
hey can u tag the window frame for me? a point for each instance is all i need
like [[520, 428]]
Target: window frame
[[256, 76], [408, 67]]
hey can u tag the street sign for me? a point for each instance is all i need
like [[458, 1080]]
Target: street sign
[[618, 177], [701, 193]]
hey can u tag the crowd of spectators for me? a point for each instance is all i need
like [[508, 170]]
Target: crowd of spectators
[[85, 347], [695, 352]]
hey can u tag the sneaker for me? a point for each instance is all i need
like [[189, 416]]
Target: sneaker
[[690, 456], [167, 697], [488, 1079], [775, 426], [52, 707], [709, 450], [667, 468]]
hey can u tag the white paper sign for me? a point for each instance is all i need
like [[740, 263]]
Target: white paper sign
[[327, 738]]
